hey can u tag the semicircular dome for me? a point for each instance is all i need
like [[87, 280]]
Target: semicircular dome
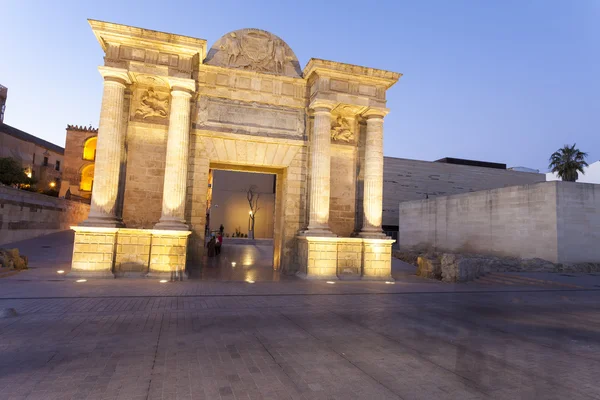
[[254, 50]]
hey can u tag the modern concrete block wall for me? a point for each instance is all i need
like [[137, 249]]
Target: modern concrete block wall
[[556, 221], [578, 219], [25, 215], [405, 180]]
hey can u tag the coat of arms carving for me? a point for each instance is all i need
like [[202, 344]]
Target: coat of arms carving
[[256, 50]]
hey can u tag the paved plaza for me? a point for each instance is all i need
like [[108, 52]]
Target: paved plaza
[[217, 336]]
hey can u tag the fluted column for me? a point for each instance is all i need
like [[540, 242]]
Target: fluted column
[[320, 170], [175, 184], [109, 150], [373, 175]]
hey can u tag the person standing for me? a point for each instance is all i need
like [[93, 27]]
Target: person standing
[[219, 243]]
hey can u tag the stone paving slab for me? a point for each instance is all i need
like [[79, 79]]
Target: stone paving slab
[[416, 346]]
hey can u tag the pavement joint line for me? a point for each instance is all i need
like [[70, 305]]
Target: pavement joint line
[[306, 294]]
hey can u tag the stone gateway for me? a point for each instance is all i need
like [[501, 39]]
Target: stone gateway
[[173, 111]]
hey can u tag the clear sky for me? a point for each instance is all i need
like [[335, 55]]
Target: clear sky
[[496, 80]]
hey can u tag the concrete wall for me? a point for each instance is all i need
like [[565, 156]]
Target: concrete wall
[[405, 180], [24, 215], [230, 203], [556, 221], [578, 213]]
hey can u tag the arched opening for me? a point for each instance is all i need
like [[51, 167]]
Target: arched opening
[[87, 178], [89, 149]]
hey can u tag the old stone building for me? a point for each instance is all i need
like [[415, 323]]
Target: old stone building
[[79, 159], [174, 110], [41, 159]]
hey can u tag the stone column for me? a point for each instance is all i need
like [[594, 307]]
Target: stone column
[[373, 175], [109, 150], [320, 157], [175, 184]]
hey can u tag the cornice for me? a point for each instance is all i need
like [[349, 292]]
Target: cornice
[[107, 32], [333, 68]]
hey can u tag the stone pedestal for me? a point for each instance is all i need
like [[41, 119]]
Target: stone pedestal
[[373, 176], [93, 252], [168, 254], [109, 151], [320, 171], [175, 183], [331, 258], [109, 252]]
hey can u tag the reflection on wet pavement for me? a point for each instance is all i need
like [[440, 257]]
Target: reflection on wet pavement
[[240, 260]]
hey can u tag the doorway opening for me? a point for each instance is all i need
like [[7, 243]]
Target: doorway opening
[[244, 207]]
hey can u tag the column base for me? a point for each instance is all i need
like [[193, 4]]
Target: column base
[[372, 234], [172, 225], [103, 222], [321, 232]]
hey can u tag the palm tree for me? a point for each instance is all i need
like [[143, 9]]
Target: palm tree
[[567, 162]]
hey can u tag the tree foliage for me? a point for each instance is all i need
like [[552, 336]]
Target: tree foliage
[[567, 162], [11, 173]]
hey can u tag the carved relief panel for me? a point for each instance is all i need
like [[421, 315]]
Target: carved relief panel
[[151, 100], [254, 50]]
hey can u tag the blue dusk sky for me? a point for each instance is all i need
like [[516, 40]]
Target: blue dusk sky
[[505, 81]]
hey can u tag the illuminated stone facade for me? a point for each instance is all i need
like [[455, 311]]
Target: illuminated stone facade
[[173, 110]]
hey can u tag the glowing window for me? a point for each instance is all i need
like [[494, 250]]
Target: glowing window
[[87, 178], [89, 149]]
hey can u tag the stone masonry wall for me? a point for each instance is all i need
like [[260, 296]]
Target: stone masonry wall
[[145, 170], [25, 215], [517, 221], [342, 201], [406, 180]]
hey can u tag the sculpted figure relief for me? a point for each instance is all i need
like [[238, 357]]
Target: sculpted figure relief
[[341, 130], [153, 104]]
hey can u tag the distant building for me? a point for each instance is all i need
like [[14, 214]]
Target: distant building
[[525, 169], [80, 157], [41, 159], [406, 180]]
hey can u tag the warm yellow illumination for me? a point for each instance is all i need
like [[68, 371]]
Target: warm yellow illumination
[[60, 271], [331, 282], [389, 282], [87, 178], [81, 280], [28, 173], [89, 149], [233, 264], [52, 184], [163, 281], [250, 212], [249, 281]]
